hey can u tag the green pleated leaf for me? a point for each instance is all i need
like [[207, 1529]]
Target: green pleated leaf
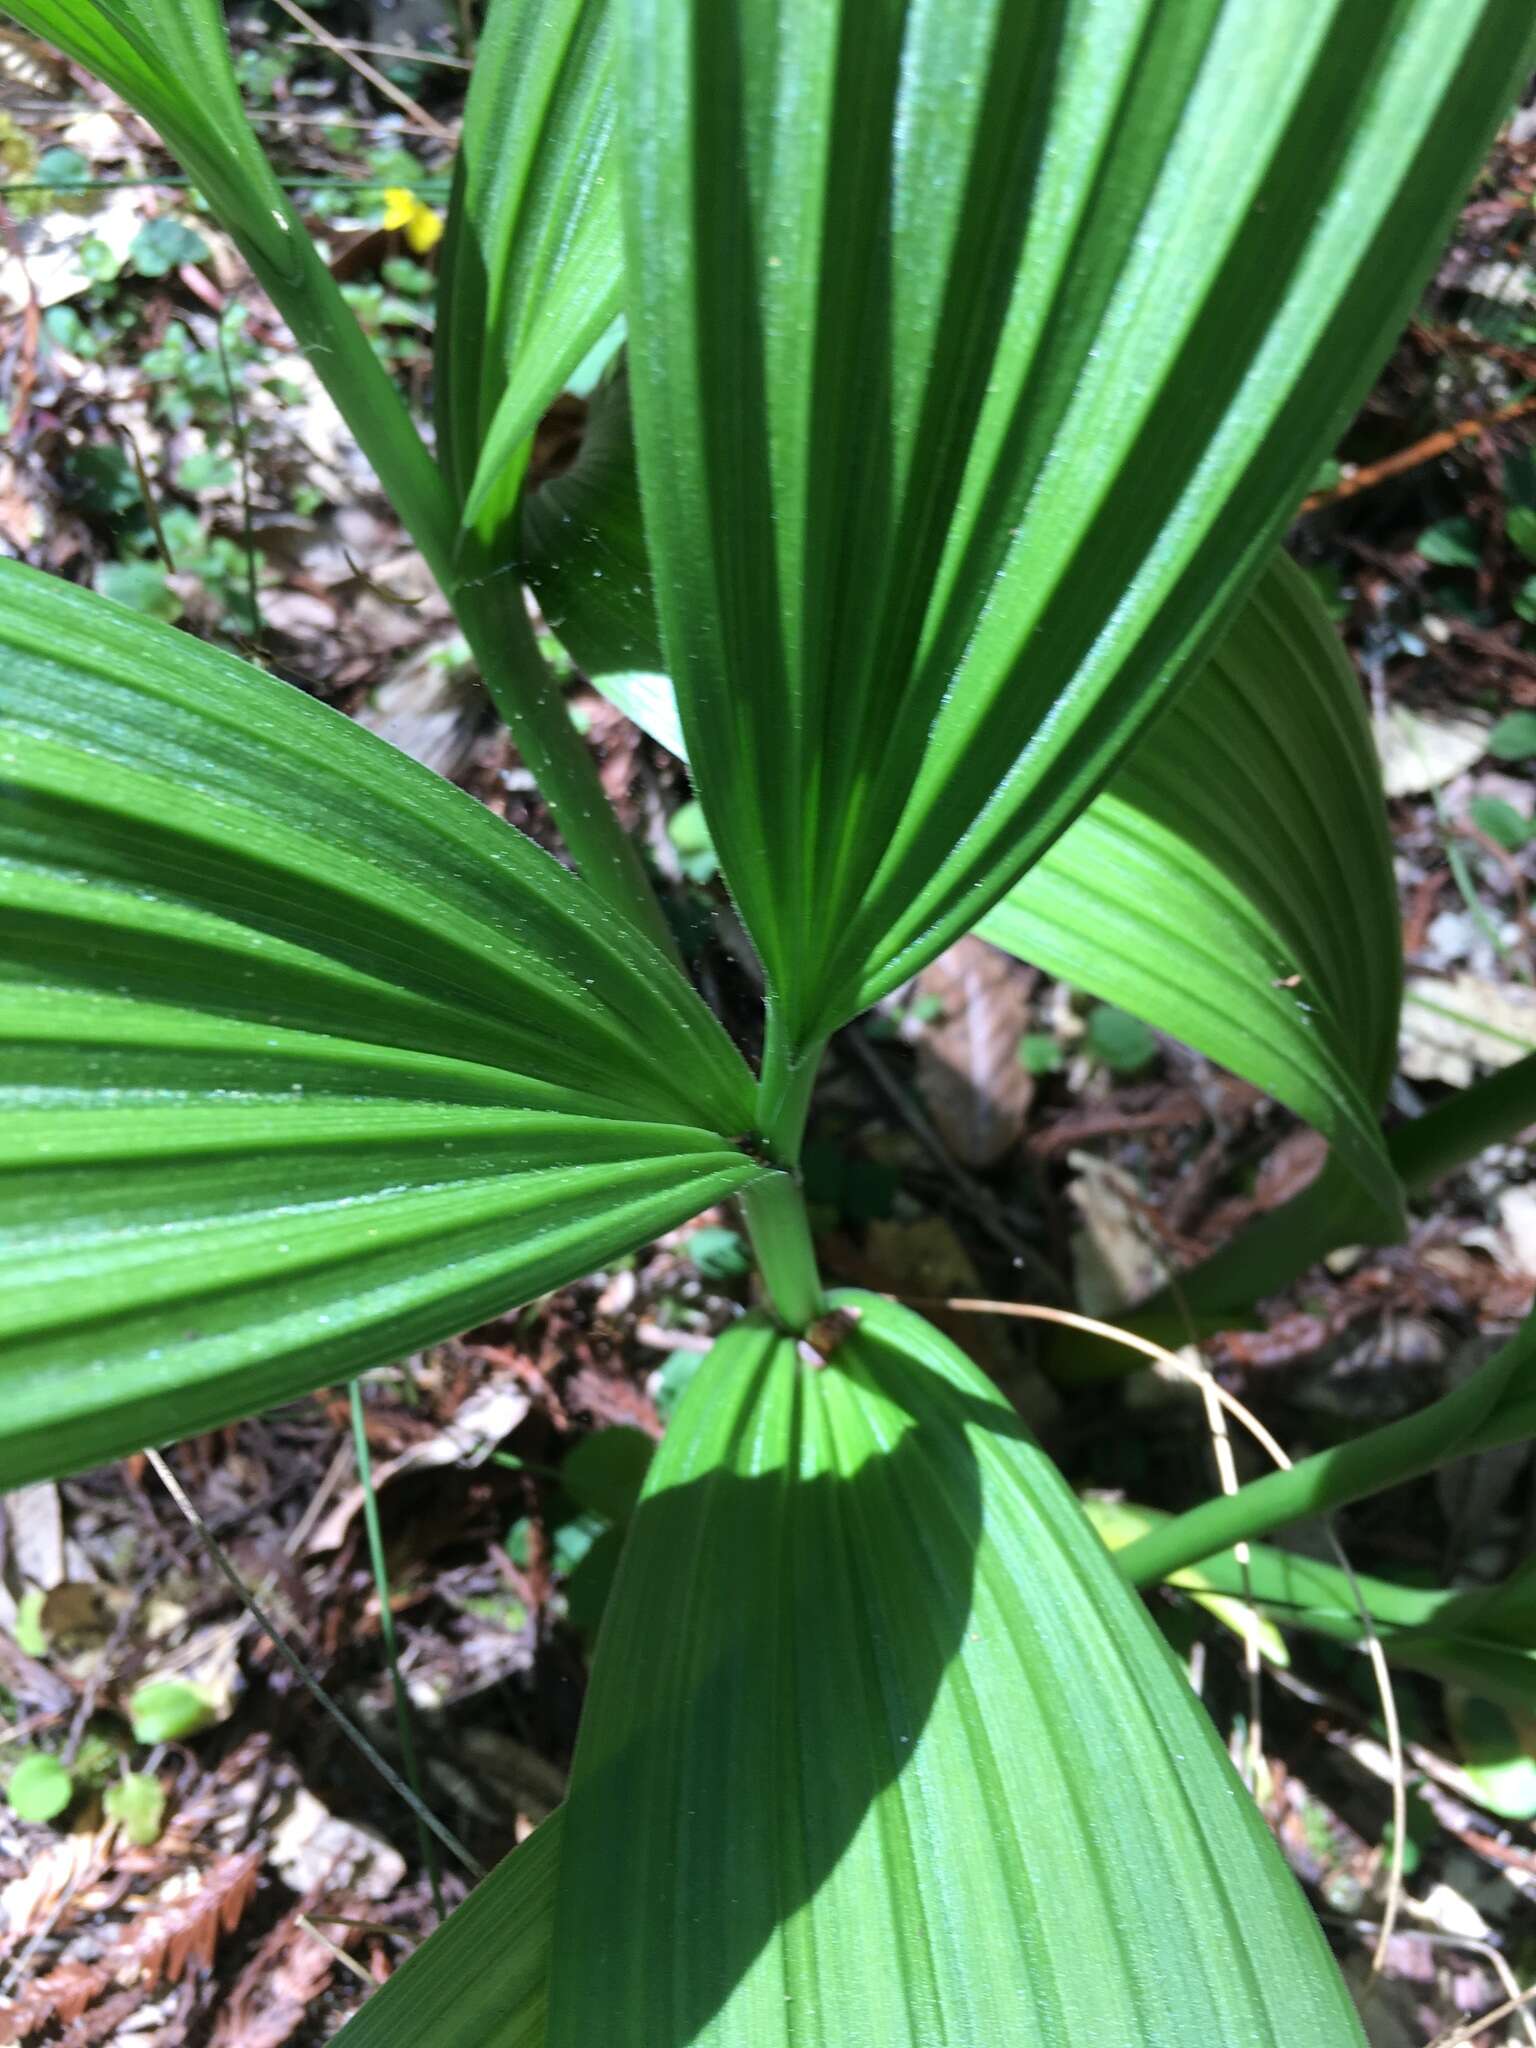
[[1234, 887], [170, 60], [481, 1980], [978, 355], [583, 554], [880, 1748], [1233, 884], [532, 263], [305, 1058]]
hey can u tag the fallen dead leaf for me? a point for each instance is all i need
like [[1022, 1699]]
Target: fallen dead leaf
[[1452, 1027], [1115, 1261], [968, 1069], [488, 1415], [1422, 750], [313, 1850]]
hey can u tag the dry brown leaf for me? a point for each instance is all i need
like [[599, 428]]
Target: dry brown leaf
[[60, 1872], [171, 1936], [968, 1069], [491, 1413], [1115, 1260], [270, 1999], [1452, 1027]]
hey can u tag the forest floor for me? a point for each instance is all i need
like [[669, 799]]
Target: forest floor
[[986, 1132]]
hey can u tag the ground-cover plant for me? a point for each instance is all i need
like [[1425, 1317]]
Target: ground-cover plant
[[974, 357]]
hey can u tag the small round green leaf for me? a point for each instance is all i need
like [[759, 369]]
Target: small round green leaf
[[1500, 822], [1514, 737], [1520, 525], [719, 1253], [1039, 1053], [1122, 1042], [1452, 544], [167, 1709], [40, 1788], [163, 245], [137, 1803]]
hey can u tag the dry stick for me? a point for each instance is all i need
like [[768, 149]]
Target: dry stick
[[1470, 2029], [404, 1724], [300, 1670], [1226, 1472], [1417, 454], [334, 1949], [364, 69], [1436, 1938], [1071, 1319], [404, 52]]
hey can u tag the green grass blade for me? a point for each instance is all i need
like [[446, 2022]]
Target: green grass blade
[[856, 1756], [978, 357], [305, 1058]]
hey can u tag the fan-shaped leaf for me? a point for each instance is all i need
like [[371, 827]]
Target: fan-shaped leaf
[[978, 355], [307, 1059], [1233, 885], [532, 265], [855, 1760]]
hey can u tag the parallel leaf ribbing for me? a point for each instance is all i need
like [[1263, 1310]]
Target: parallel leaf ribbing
[[1233, 885], [532, 268], [858, 1760], [305, 1058], [978, 354]]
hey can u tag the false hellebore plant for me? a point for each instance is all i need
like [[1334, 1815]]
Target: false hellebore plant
[[965, 359]]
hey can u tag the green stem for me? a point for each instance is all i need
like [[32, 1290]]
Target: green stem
[[526, 694], [781, 1239], [784, 1089], [404, 1726], [1465, 1124], [490, 608], [1493, 1407]]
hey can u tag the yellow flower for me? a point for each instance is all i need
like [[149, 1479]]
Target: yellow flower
[[423, 227]]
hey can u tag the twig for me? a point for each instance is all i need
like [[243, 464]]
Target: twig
[[1470, 2029], [405, 52], [364, 69], [404, 1726], [301, 1671], [334, 1949], [243, 455], [1418, 453]]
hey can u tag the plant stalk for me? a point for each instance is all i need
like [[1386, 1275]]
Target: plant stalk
[[784, 1089], [528, 698], [1465, 1124], [490, 610], [1493, 1407], [404, 1725], [780, 1231]]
